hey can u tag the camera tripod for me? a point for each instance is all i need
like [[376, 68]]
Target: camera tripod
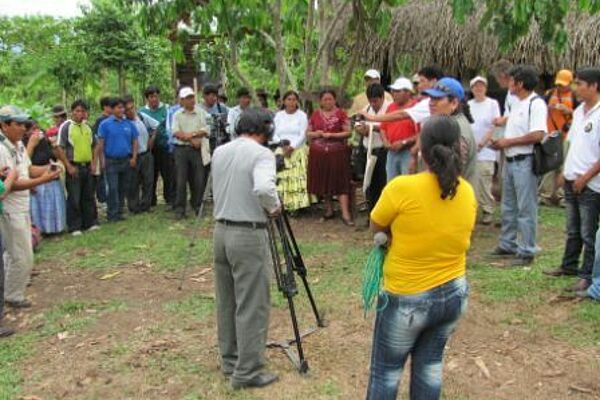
[[287, 261]]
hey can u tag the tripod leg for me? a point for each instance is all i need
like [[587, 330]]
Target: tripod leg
[[300, 268], [302, 363], [313, 304]]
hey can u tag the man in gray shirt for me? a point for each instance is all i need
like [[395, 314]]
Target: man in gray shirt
[[245, 193]]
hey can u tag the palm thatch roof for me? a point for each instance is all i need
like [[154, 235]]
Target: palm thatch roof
[[424, 32]]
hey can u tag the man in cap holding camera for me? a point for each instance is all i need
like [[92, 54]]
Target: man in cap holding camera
[[15, 220], [245, 193]]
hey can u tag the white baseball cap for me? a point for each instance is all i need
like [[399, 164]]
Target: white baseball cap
[[186, 92], [478, 78], [402, 84], [373, 74]]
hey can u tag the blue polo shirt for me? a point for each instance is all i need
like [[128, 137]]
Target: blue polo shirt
[[118, 136]]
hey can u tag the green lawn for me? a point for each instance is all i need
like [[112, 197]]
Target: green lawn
[[335, 269]]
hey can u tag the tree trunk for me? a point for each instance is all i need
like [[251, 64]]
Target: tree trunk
[[324, 61], [350, 69], [104, 81], [287, 72], [325, 38], [233, 63], [279, 51], [308, 47], [122, 80]]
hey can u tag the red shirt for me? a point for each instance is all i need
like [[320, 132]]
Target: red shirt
[[399, 130]]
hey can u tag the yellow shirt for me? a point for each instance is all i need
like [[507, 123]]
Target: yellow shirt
[[430, 236]]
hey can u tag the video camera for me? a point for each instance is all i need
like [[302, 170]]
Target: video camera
[[218, 134], [279, 156], [357, 119]]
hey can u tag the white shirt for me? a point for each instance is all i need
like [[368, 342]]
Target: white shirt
[[377, 142], [509, 100], [483, 113], [584, 149], [525, 116], [142, 123], [15, 157], [420, 111], [232, 120], [290, 127]]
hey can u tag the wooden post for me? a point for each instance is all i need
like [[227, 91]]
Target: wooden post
[[195, 85]]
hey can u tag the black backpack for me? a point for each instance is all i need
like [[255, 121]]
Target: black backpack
[[547, 154]]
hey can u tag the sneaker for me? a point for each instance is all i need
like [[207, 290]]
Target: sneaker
[[499, 251], [76, 233], [6, 331], [487, 219], [582, 294], [18, 304], [580, 286], [94, 228], [521, 261], [559, 272], [261, 380]]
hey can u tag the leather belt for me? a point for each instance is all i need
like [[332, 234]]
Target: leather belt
[[518, 157], [243, 224]]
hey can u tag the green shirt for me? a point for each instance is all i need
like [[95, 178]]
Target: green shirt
[[160, 114], [2, 191]]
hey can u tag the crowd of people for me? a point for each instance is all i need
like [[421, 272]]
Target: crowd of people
[[432, 158]]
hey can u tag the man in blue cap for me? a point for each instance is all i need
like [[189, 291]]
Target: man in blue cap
[[15, 220], [447, 97]]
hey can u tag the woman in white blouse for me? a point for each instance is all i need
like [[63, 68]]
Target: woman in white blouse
[[290, 127]]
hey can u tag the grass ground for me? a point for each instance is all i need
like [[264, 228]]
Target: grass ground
[[109, 323]]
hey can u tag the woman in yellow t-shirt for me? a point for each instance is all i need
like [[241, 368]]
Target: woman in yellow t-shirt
[[429, 218]]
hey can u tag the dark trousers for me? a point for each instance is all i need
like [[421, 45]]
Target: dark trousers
[[164, 166], [139, 196], [118, 174], [583, 210], [188, 170], [379, 178], [81, 207]]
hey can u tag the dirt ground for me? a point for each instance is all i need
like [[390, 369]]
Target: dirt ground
[[144, 350]]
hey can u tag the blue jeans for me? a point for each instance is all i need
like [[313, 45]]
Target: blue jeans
[[594, 290], [419, 325], [397, 163], [118, 174], [519, 208], [583, 210]]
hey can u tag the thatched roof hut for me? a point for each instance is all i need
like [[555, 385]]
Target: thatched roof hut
[[424, 32]]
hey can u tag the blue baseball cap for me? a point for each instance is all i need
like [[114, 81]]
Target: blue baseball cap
[[446, 87]]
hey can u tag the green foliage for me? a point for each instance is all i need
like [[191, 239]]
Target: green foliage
[[511, 19]]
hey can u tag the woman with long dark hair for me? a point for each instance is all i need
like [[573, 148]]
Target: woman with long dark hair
[[48, 203], [290, 128], [429, 218], [329, 156]]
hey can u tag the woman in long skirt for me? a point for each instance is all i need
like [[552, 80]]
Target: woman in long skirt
[[48, 203], [290, 129], [329, 156]]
